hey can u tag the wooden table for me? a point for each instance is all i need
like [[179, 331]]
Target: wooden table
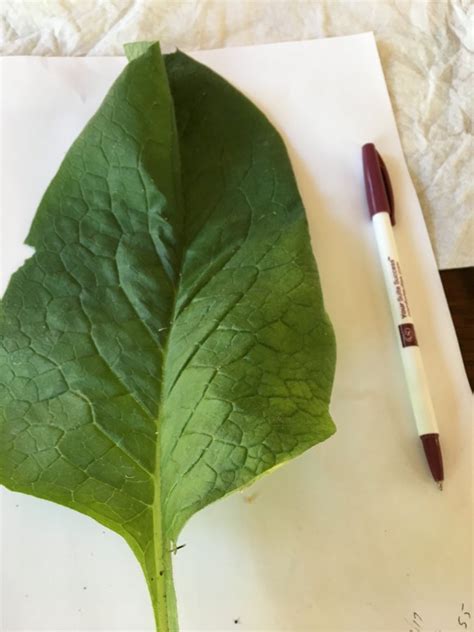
[[459, 289]]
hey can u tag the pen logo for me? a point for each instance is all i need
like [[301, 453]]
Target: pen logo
[[408, 335]]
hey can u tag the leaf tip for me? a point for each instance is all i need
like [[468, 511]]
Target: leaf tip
[[133, 50]]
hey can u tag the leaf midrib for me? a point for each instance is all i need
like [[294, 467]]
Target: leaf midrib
[[161, 541]]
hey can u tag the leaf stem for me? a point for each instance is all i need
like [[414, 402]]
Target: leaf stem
[[159, 571], [162, 589]]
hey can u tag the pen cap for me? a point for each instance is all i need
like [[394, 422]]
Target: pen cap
[[378, 187]]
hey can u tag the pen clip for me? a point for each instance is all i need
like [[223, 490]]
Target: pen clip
[[388, 187]]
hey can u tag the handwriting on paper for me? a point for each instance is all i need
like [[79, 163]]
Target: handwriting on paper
[[464, 619], [463, 622]]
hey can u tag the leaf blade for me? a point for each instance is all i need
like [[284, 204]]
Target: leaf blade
[[172, 328]]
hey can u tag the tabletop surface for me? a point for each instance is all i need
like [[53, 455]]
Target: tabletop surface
[[459, 289]]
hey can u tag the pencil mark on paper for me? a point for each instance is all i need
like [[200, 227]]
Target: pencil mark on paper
[[464, 618], [415, 623]]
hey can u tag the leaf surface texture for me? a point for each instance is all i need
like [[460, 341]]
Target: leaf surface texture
[[167, 343]]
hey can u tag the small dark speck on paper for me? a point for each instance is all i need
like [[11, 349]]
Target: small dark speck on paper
[[250, 498]]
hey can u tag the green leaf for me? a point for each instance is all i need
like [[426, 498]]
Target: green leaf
[[167, 343]]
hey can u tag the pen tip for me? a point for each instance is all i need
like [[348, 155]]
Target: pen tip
[[440, 485]]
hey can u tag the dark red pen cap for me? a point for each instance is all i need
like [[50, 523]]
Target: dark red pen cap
[[377, 183]]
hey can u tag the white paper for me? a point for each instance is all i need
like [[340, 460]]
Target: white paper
[[354, 535]]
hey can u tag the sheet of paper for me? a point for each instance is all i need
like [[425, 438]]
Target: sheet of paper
[[354, 535]]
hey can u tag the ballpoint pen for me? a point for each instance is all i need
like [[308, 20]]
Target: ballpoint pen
[[380, 201]]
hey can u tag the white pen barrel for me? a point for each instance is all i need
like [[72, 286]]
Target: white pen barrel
[[412, 361]]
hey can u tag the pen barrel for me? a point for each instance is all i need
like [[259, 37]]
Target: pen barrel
[[414, 369]]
